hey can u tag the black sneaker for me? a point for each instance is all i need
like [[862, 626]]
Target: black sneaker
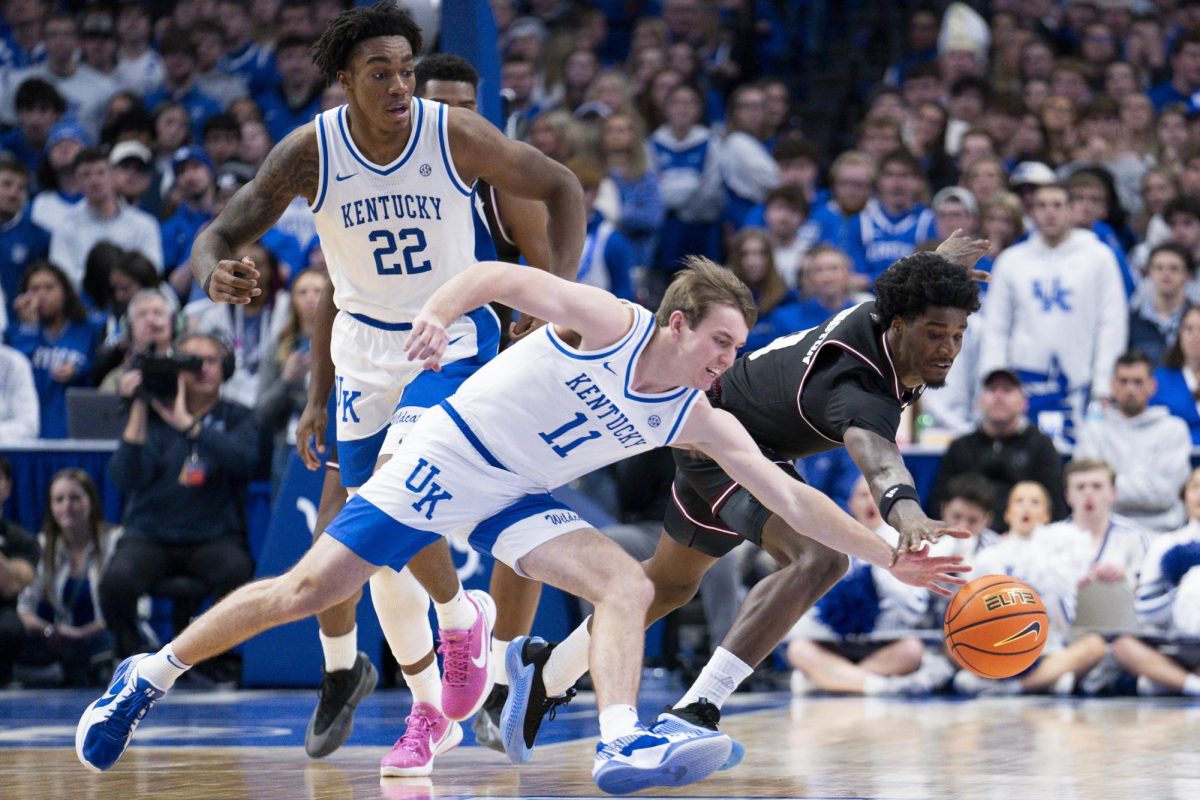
[[339, 694], [486, 726], [527, 702], [700, 714]]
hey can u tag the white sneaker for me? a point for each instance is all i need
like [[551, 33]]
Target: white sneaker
[[971, 685], [1149, 688]]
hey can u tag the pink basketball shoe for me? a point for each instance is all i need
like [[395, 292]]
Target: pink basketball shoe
[[428, 734], [467, 660]]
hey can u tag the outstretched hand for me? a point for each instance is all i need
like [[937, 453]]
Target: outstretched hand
[[915, 535], [965, 251], [935, 574], [426, 341], [233, 282]]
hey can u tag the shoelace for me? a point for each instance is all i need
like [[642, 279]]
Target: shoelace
[[416, 737], [455, 657], [555, 702], [129, 713]]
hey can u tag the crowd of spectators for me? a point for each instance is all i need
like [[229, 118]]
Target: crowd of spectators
[[1064, 131]]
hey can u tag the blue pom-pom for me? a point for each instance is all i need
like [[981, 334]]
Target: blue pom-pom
[[852, 605], [1178, 560]]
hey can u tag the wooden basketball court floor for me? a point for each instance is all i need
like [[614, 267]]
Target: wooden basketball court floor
[[247, 746]]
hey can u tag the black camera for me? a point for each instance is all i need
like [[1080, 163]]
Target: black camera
[[160, 373]]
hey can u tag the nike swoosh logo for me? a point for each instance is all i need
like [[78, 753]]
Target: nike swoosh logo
[[454, 340], [341, 178], [1034, 627], [173, 662], [609, 368], [480, 660]]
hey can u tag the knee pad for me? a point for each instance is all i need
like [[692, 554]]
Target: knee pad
[[402, 605]]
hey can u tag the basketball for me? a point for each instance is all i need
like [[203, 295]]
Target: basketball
[[996, 626]]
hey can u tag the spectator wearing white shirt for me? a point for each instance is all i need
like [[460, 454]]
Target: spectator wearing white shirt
[[1168, 600], [102, 216], [1150, 450], [59, 190], [19, 415], [139, 66]]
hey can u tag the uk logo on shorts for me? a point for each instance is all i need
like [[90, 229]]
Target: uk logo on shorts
[[422, 482]]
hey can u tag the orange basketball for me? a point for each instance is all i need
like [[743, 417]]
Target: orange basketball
[[996, 626]]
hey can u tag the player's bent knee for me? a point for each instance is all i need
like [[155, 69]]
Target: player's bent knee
[[675, 595], [1126, 648], [801, 652], [631, 590], [910, 649]]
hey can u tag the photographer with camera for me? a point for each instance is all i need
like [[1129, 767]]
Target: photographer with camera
[[184, 462], [149, 326]]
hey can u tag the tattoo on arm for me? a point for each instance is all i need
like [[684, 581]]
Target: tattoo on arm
[[291, 170]]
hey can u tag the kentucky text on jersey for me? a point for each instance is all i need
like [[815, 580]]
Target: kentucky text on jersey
[[387, 207], [593, 398]]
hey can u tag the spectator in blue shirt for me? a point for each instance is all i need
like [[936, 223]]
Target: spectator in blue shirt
[[1179, 376], [890, 227], [296, 98], [243, 56], [179, 60], [641, 212], [22, 241], [196, 190], [608, 258], [1184, 84], [39, 106], [850, 178], [53, 331]]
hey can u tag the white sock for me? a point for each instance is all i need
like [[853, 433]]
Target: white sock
[[1191, 684], [617, 721], [499, 652], [568, 661], [723, 673], [875, 684], [402, 605], [426, 686], [340, 651], [162, 668], [457, 614]]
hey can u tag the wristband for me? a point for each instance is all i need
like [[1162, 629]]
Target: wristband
[[208, 282], [894, 494]]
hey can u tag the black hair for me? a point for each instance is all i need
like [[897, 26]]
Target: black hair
[[140, 268], [970, 487], [175, 41], [445, 67], [1182, 204], [6, 468], [293, 40], [88, 155], [922, 281], [10, 163], [100, 261], [1178, 250], [1132, 357], [225, 122], [73, 308], [35, 93], [333, 50]]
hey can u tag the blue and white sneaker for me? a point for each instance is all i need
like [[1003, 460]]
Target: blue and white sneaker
[[108, 724], [650, 758], [699, 716], [527, 703]]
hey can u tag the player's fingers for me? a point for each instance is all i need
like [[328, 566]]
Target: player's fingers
[[944, 592]]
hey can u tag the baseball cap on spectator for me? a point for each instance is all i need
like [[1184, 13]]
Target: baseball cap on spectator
[[1031, 173], [189, 153], [956, 194], [1003, 374], [234, 175], [130, 148], [67, 130]]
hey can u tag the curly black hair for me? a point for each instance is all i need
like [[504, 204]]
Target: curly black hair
[[333, 50], [921, 281], [444, 67]]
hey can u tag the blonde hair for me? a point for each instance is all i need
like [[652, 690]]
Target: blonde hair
[[699, 286], [291, 329]]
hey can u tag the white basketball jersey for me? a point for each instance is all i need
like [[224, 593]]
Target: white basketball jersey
[[392, 234], [551, 413]]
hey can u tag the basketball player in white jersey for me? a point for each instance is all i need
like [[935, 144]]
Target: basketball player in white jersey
[[389, 179], [479, 467]]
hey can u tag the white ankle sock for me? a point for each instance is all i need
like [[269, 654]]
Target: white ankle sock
[[723, 673], [568, 661], [617, 721], [426, 686], [162, 668], [1191, 684], [499, 652], [457, 614], [875, 684], [340, 651]]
